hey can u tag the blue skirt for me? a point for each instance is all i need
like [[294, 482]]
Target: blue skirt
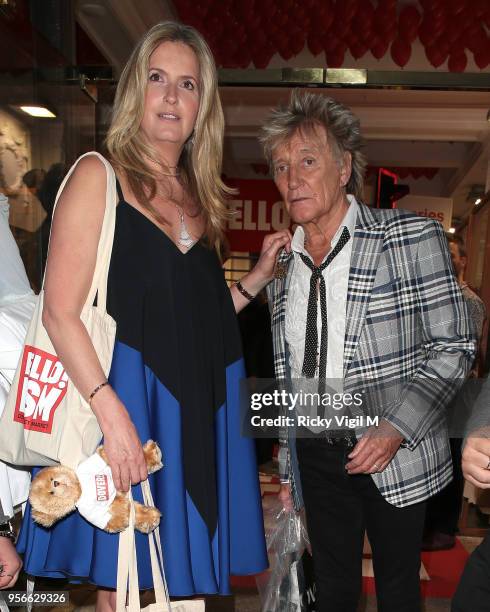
[[196, 560]]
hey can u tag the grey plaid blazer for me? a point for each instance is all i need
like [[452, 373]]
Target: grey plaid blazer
[[406, 325]]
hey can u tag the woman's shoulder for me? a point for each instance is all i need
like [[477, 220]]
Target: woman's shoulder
[[86, 184], [91, 166]]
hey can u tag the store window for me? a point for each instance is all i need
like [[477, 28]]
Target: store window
[[46, 118]]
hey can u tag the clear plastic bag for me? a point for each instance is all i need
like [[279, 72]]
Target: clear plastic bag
[[281, 589]]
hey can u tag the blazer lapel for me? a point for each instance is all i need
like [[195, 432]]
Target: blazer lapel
[[279, 294], [366, 249]]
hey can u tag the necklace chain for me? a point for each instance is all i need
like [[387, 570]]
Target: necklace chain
[[174, 174]]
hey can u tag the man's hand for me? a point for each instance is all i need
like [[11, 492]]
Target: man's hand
[[476, 459], [10, 564], [286, 498], [375, 449]]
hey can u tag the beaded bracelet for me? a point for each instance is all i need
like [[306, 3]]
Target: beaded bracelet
[[244, 292], [96, 390]]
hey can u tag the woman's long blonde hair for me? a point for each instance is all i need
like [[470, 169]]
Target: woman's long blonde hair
[[201, 158]]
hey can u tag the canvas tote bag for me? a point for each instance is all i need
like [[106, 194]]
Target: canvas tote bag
[[45, 420], [128, 597]]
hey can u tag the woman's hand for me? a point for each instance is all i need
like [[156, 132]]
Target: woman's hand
[[263, 271], [271, 246], [10, 564], [476, 459], [121, 442]]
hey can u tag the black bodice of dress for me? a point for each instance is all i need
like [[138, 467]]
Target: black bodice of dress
[[176, 310]]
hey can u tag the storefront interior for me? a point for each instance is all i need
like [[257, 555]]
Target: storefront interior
[[429, 125]]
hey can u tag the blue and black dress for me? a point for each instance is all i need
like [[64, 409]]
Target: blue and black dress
[[176, 367]]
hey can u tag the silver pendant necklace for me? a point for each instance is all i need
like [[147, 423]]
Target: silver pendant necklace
[[185, 239]]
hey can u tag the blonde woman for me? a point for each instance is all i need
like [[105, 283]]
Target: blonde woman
[[177, 359]]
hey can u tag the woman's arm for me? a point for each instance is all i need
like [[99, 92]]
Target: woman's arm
[[70, 267], [263, 271]]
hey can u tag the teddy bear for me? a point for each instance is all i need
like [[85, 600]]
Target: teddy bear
[[58, 490]]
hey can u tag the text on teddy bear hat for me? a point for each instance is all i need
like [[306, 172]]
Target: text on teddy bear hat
[[101, 487]]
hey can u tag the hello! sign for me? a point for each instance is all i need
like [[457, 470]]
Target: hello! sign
[[42, 386], [257, 210]]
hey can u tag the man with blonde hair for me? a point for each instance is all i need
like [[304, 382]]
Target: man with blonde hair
[[364, 298]]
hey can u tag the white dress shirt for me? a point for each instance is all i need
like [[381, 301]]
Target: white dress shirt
[[336, 277]]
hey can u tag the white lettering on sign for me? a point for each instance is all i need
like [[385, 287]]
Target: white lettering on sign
[[101, 487], [248, 224], [235, 223], [262, 218], [42, 385], [257, 216], [280, 217]]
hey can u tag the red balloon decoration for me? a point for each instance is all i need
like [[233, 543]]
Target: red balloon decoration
[[330, 43], [244, 31], [453, 31], [457, 6], [479, 41], [385, 21], [379, 47], [344, 11], [400, 52], [358, 49], [426, 33], [435, 55], [486, 19], [482, 58], [325, 16], [436, 24], [297, 40], [480, 7], [364, 16], [457, 62], [315, 44], [335, 58], [408, 24], [284, 48], [243, 57], [264, 57], [269, 9]]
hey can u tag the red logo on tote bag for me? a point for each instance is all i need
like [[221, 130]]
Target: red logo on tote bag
[[42, 385]]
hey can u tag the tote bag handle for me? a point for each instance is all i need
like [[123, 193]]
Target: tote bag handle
[[99, 281], [127, 570]]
